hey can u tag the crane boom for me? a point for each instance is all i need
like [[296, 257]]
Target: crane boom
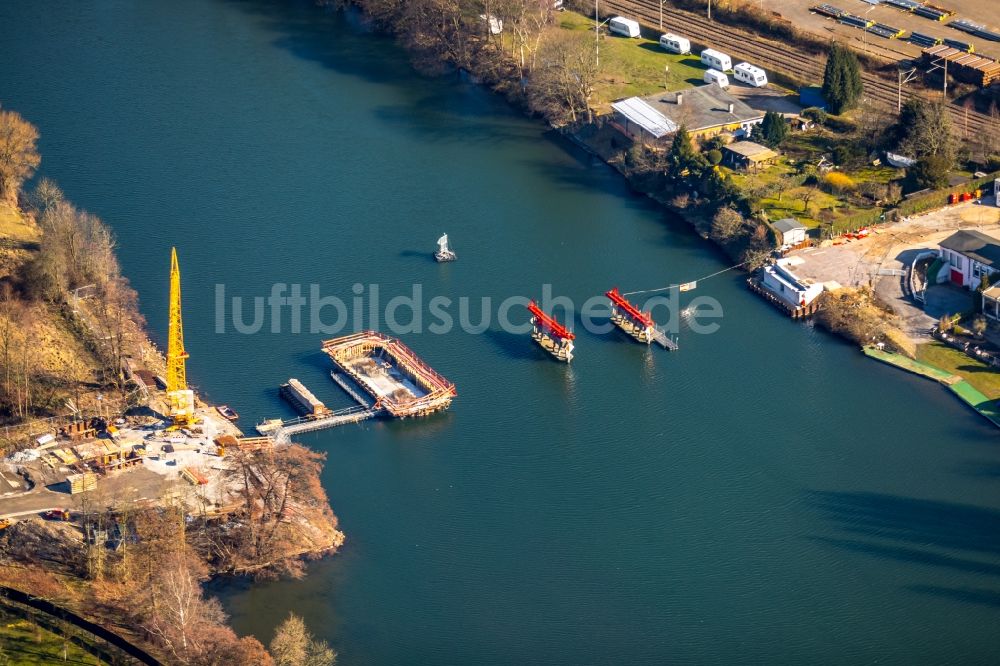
[[180, 399], [176, 374]]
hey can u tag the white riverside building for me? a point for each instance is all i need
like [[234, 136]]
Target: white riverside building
[[786, 285], [968, 255]]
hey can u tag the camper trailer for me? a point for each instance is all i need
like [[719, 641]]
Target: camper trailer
[[625, 27], [716, 77], [716, 59], [675, 44], [750, 75]]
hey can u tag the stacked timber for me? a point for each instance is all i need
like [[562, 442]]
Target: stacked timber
[[79, 483], [962, 65]]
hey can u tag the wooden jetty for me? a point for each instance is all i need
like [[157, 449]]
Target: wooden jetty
[[301, 425], [663, 340]]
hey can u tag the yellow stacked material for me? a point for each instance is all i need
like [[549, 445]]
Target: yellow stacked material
[[66, 456], [91, 450], [79, 483]]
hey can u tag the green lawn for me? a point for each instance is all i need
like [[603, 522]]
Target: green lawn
[[874, 174], [791, 203], [981, 376], [21, 642], [634, 67]]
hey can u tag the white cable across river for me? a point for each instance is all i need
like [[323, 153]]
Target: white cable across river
[[677, 286]]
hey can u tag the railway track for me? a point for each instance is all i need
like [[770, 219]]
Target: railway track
[[776, 56]]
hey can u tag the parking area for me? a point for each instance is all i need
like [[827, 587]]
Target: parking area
[[770, 98], [979, 11], [883, 257]]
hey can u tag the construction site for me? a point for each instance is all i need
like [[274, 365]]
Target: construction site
[[172, 442], [177, 442], [399, 382]]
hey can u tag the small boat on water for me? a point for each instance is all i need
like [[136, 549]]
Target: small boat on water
[[444, 253], [227, 412]]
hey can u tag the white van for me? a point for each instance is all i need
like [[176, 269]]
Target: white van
[[750, 75], [625, 27], [716, 59], [715, 76], [675, 43]]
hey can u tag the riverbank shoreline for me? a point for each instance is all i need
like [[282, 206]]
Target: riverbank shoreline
[[680, 199], [80, 544]]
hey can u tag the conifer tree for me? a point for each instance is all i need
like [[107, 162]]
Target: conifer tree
[[682, 154], [842, 85]]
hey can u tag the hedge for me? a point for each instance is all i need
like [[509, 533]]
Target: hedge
[[850, 223], [939, 198]]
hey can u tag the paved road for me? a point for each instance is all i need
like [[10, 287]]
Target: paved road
[[135, 484]]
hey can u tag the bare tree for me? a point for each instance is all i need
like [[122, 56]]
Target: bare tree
[[179, 610], [563, 79], [276, 486], [293, 645], [808, 196], [525, 20], [927, 130], [436, 31], [18, 155], [727, 224], [46, 195]]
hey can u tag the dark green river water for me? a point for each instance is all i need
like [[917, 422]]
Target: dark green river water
[[764, 495]]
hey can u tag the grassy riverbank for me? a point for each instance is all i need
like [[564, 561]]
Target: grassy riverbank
[[979, 375], [633, 67]]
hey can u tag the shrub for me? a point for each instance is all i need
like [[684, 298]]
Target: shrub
[[979, 325], [714, 156], [841, 124], [839, 182], [849, 153], [726, 224], [931, 171], [815, 114], [681, 201], [716, 142]]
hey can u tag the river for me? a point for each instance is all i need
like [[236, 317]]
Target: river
[[765, 494]]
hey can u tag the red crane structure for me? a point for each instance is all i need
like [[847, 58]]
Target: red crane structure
[[552, 336], [631, 319]]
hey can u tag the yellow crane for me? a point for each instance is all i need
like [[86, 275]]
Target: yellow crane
[[180, 400]]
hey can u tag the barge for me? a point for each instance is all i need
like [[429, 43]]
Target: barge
[[550, 335], [303, 400]]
